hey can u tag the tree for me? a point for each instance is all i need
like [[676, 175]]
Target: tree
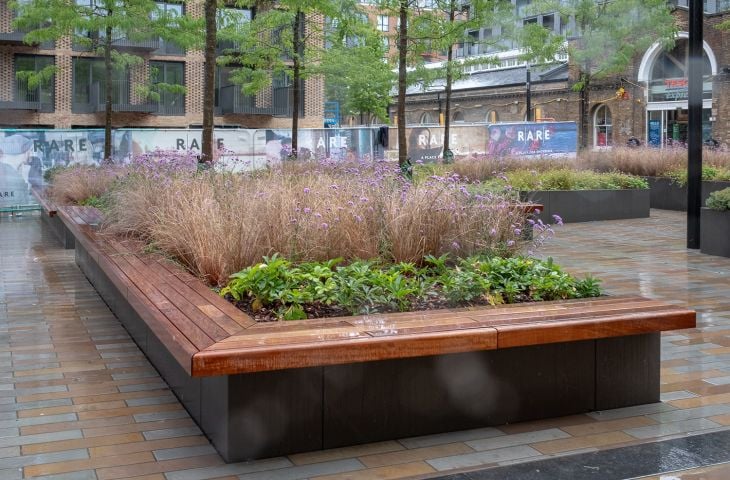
[[98, 26], [605, 40], [285, 40], [354, 69], [448, 23], [210, 9]]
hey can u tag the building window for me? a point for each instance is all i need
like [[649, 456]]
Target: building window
[[42, 94], [89, 91], [602, 127], [537, 114], [167, 78], [491, 116], [386, 44], [458, 117], [383, 23], [175, 10], [427, 119]]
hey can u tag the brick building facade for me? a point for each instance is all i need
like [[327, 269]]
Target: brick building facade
[[61, 107], [653, 108]]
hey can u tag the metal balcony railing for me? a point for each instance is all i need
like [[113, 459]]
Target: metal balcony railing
[[120, 99], [170, 104], [24, 98], [277, 101], [119, 42]]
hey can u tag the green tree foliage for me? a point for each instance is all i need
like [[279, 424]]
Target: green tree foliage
[[446, 24], [606, 38], [354, 69], [285, 39], [98, 26]]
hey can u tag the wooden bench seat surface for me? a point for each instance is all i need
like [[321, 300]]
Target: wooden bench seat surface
[[44, 201], [210, 336]]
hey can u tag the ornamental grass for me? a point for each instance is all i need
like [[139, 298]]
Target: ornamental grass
[[218, 223]]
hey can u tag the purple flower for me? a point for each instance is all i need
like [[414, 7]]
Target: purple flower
[[557, 219], [518, 231], [493, 232], [307, 210], [510, 243], [306, 190], [325, 226]]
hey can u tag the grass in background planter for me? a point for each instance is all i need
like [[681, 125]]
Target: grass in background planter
[[709, 174], [568, 179]]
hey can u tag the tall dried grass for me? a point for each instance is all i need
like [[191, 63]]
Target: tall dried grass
[[217, 223], [73, 185], [650, 162]]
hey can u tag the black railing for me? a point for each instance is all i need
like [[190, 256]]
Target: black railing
[[119, 42], [33, 99], [120, 100], [170, 104], [272, 101]]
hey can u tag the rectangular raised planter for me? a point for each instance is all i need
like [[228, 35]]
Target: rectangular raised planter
[[270, 390], [715, 232], [668, 195], [590, 205]]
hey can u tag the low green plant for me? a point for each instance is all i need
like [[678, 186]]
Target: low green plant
[[49, 174], [292, 291], [719, 200], [101, 202]]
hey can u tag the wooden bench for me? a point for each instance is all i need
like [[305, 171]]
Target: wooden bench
[[51, 220], [266, 389]]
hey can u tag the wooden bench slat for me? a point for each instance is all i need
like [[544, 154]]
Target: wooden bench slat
[[44, 201], [284, 337], [610, 326], [187, 327], [260, 359]]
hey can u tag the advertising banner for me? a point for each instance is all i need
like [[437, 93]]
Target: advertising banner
[[542, 139], [535, 139]]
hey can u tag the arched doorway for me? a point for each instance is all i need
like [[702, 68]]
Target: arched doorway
[[665, 75]]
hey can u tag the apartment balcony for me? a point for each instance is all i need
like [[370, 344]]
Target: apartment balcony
[[120, 100], [232, 101], [12, 38], [125, 43], [121, 42], [28, 100], [170, 104]]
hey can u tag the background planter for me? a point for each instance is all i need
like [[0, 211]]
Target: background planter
[[715, 232], [668, 195], [590, 205]]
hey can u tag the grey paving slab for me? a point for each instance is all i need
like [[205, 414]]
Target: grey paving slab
[[168, 415], [518, 439], [171, 433], [183, 452], [666, 429], [63, 456], [230, 469], [450, 437], [688, 413], [677, 395], [483, 458], [300, 472], [80, 475], [40, 438]]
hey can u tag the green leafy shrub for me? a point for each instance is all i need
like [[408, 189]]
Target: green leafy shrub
[[278, 288], [709, 173], [719, 200], [569, 179]]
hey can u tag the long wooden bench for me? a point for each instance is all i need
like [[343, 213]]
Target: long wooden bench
[[51, 220], [266, 389]]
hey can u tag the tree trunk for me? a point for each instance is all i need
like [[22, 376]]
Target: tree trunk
[[447, 90], [108, 94], [401, 111], [584, 112], [209, 80], [296, 80]]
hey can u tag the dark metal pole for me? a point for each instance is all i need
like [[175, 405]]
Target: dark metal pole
[[694, 128], [528, 98]]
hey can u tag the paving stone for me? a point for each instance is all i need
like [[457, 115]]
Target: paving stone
[[183, 452], [517, 439], [665, 429], [483, 458], [450, 437], [276, 464]]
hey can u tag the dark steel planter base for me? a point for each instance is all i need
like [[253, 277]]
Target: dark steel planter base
[[590, 205], [267, 414], [59, 230], [667, 195], [715, 232]]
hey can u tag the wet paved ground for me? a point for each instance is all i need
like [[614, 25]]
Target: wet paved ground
[[79, 401]]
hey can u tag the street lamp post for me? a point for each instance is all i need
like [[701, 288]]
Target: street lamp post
[[694, 127]]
